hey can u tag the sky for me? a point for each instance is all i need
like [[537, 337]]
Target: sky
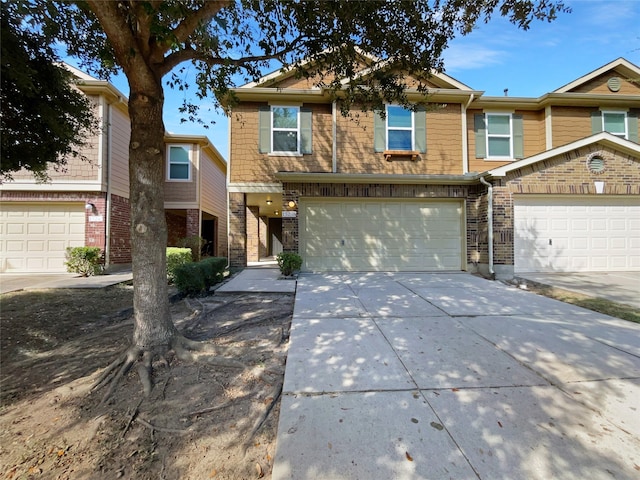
[[498, 56]]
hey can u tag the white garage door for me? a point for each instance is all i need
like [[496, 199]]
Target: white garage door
[[553, 234], [368, 235], [34, 237]]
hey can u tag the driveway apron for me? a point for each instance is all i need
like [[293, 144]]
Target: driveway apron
[[448, 375]]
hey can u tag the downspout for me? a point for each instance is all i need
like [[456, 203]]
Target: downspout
[[107, 225], [227, 189], [334, 130], [465, 140], [489, 224]]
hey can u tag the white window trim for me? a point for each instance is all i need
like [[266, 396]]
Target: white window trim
[[626, 120], [189, 147], [411, 129], [297, 152], [494, 135]]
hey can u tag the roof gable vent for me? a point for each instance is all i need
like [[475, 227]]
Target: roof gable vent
[[614, 84]]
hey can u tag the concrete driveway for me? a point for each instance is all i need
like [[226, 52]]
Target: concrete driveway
[[434, 376]]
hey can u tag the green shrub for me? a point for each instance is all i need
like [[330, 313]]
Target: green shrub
[[289, 263], [188, 278], [195, 243], [86, 261], [176, 257], [196, 277], [213, 270]]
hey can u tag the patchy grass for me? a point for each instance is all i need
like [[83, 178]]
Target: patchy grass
[[600, 305]]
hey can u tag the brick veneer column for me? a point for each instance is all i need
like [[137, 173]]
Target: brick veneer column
[[253, 234], [237, 230], [263, 233], [290, 228], [193, 223]]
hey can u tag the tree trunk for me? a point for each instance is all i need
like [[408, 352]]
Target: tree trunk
[[153, 324]]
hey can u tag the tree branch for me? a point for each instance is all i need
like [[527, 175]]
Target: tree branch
[[114, 23], [191, 21]]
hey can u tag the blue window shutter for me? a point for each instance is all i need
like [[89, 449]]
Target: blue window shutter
[[420, 129], [379, 132], [518, 137], [632, 126], [596, 122], [306, 133], [264, 126], [480, 129]]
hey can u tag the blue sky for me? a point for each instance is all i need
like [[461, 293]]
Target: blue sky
[[497, 55]]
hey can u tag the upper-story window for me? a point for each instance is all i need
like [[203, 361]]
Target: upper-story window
[[615, 123], [499, 136], [399, 128], [179, 163], [285, 130]]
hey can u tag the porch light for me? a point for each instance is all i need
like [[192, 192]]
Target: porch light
[[269, 202]]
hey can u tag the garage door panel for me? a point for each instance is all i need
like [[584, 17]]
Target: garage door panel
[[37, 235], [603, 233], [377, 235]]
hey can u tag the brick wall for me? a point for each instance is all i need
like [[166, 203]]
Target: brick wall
[[120, 237], [237, 230], [176, 227]]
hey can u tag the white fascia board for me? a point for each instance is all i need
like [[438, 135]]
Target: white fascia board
[[254, 188], [605, 138]]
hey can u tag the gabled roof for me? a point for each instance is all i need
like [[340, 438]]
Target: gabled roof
[[621, 65], [603, 138], [441, 80], [286, 72]]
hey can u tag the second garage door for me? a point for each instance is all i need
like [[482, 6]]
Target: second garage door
[[367, 235], [573, 234]]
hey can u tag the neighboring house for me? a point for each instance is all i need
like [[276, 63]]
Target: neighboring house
[[87, 203], [498, 185]]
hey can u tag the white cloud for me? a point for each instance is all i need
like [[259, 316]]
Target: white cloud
[[463, 56]]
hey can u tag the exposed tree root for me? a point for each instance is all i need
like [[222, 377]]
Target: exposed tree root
[[142, 358], [274, 395]]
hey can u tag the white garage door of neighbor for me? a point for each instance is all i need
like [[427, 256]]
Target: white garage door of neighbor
[[576, 234], [34, 237], [368, 235]]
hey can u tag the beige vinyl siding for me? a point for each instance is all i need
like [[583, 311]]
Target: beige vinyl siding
[[184, 192], [120, 135], [533, 128], [355, 152], [598, 85], [251, 166], [214, 197], [570, 124]]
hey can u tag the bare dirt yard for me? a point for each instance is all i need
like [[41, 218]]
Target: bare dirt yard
[[200, 422]]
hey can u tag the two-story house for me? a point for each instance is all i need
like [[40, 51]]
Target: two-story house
[[499, 185], [87, 202]]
